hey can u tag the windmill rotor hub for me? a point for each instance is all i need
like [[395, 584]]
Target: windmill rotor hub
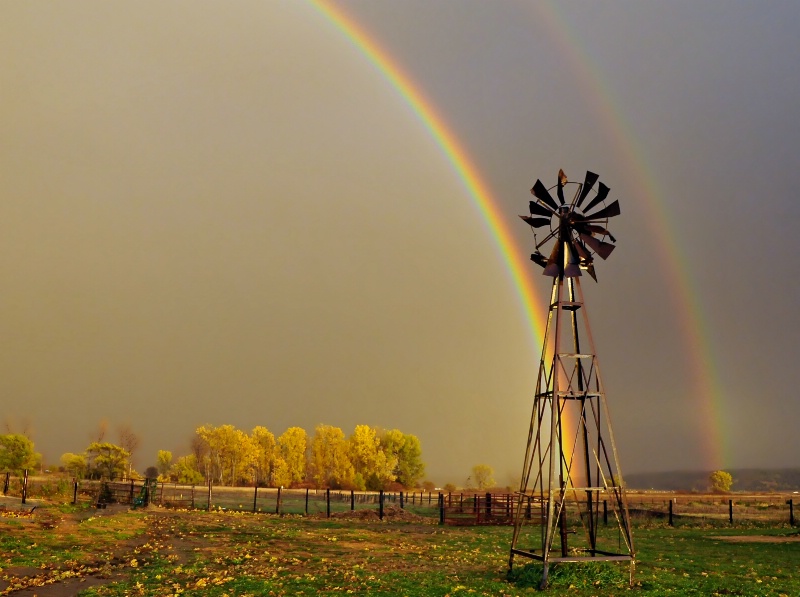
[[579, 232]]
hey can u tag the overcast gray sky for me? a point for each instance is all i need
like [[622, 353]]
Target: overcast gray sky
[[224, 213]]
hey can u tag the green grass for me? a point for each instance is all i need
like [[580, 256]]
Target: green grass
[[223, 553]]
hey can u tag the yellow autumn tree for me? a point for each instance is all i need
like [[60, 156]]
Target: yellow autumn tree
[[406, 450], [264, 453], [228, 452], [483, 476], [373, 469], [330, 461], [291, 459], [720, 481]]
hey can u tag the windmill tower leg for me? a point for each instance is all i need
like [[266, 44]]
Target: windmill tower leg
[[571, 463]]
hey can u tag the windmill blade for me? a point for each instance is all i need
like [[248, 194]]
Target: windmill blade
[[602, 193], [539, 259], [572, 269], [554, 262], [609, 211], [536, 222], [583, 253], [580, 227], [562, 180], [540, 192], [598, 246], [537, 209], [590, 269], [591, 178], [600, 230]]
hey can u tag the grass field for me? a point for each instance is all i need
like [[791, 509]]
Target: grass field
[[61, 550]]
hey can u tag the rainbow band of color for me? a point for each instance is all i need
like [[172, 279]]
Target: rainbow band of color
[[512, 255]]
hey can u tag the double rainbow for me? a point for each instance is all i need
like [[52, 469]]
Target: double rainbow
[[698, 354]]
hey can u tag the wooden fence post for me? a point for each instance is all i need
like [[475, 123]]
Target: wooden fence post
[[25, 486], [380, 505], [74, 490], [133, 491], [441, 508], [278, 501], [5, 484], [670, 512], [328, 500], [208, 507], [401, 500], [488, 505], [605, 512], [791, 511], [255, 497], [730, 511], [162, 495], [306, 501], [352, 500]]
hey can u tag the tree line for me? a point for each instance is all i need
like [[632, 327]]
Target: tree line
[[368, 459]]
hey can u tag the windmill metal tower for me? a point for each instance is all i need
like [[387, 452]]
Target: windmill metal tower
[[571, 505]]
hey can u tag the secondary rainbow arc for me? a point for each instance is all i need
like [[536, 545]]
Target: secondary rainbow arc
[[588, 74]]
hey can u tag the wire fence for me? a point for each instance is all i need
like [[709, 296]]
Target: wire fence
[[310, 502], [697, 509], [645, 508]]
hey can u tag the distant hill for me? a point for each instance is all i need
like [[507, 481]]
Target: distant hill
[[745, 479]]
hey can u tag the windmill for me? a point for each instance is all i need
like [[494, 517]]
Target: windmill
[[571, 505]]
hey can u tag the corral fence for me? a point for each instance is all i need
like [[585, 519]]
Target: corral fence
[[481, 509], [468, 508]]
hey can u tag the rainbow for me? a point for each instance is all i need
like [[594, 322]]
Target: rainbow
[[513, 256], [699, 359], [674, 262]]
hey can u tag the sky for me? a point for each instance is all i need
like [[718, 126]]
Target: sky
[[227, 213]]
